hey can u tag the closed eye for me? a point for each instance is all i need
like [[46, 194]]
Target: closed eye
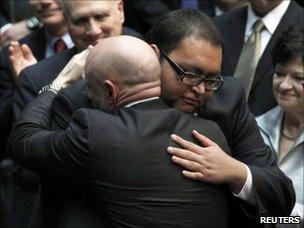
[[279, 74]]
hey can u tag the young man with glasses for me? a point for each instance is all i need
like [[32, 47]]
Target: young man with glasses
[[190, 50]]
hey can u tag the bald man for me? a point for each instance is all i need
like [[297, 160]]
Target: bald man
[[117, 152]]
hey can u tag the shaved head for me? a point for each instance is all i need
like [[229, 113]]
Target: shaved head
[[126, 61]]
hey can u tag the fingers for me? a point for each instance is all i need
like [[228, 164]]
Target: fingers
[[185, 154], [193, 175], [187, 144], [27, 53], [186, 164], [204, 141], [4, 38], [90, 47], [15, 49], [82, 55]]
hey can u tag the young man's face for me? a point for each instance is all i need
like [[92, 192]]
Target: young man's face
[[193, 55]]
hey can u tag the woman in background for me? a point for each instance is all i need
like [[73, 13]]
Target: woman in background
[[282, 126]]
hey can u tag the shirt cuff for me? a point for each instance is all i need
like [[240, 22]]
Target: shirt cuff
[[246, 192]]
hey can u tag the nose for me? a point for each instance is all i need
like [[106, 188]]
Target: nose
[[199, 89], [93, 28], [46, 3], [286, 83]]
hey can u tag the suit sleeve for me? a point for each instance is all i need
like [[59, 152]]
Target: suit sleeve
[[25, 93], [7, 86], [56, 154], [64, 104], [272, 189]]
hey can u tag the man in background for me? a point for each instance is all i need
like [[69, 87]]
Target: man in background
[[250, 33]]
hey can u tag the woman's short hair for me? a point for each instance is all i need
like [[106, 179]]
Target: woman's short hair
[[290, 45]]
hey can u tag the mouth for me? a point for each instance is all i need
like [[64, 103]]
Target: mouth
[[190, 101], [48, 11], [93, 42], [287, 94]]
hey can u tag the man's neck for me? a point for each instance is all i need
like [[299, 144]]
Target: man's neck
[[138, 93], [57, 30]]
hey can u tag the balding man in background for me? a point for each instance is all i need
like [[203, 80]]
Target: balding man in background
[[88, 22], [118, 153]]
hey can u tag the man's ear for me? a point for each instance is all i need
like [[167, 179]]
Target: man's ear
[[121, 11], [112, 91], [155, 49]]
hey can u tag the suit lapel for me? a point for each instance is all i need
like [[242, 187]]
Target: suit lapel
[[235, 39], [265, 64]]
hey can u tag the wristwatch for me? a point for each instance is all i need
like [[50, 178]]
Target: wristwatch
[[51, 87], [32, 23]]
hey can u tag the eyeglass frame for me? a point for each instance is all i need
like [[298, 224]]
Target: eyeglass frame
[[182, 74]]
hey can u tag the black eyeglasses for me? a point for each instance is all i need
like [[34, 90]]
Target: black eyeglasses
[[192, 79]]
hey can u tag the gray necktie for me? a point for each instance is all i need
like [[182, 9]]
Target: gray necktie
[[249, 57]]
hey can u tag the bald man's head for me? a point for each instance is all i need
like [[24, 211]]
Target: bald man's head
[[125, 60]]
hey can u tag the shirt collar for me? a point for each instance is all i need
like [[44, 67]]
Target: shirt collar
[[218, 11], [271, 20], [51, 39], [140, 101]]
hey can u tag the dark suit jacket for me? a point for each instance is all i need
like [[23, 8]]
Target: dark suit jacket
[[36, 41], [121, 159], [13, 11], [272, 189], [232, 25]]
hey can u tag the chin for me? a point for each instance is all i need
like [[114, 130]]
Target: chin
[[185, 108]]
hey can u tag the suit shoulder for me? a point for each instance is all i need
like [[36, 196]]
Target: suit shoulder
[[232, 87], [235, 14], [208, 128]]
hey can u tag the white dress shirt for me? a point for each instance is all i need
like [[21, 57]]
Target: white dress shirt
[[51, 40], [270, 21]]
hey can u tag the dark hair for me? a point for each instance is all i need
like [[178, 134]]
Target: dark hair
[[173, 27], [290, 45]]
